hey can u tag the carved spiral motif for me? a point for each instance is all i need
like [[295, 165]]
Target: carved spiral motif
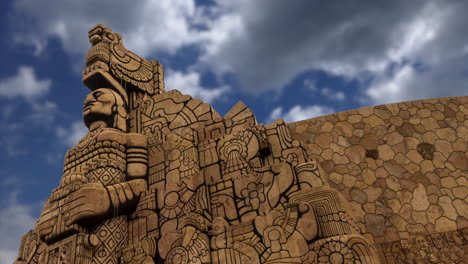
[[336, 252], [178, 255]]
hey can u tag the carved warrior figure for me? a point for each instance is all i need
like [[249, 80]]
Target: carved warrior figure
[[101, 182], [162, 178]]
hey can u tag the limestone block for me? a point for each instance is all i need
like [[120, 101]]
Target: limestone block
[[420, 200]]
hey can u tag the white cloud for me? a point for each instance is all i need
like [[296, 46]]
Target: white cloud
[[298, 113], [147, 25], [71, 135], [332, 95], [24, 84], [392, 88], [355, 43], [266, 44], [189, 83], [15, 220], [311, 85]]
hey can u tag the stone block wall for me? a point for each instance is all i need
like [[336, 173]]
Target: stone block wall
[[403, 167]]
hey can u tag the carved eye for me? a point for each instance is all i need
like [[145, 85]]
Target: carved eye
[[110, 36]]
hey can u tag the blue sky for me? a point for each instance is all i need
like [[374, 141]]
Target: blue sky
[[284, 59]]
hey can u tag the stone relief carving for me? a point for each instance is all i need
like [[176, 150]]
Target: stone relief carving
[[444, 247], [162, 178]]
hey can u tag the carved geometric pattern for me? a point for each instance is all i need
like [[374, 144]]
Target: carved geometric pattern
[[106, 176], [113, 237], [162, 178]]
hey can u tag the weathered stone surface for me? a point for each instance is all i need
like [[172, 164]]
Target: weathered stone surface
[[401, 158], [447, 133], [409, 184], [327, 127], [370, 141], [406, 211], [420, 200], [448, 182], [369, 176], [356, 154], [433, 213], [462, 133], [449, 210], [444, 224], [394, 204], [206, 184], [420, 217], [393, 138], [324, 139], [461, 207], [358, 196], [336, 177], [373, 193], [373, 121], [344, 129], [375, 224], [416, 229], [161, 177], [426, 150], [340, 159], [427, 166], [372, 153], [406, 129], [459, 160], [399, 223], [393, 183], [404, 196], [444, 147], [460, 192], [394, 168], [385, 152], [328, 166], [429, 137], [349, 180], [382, 209]]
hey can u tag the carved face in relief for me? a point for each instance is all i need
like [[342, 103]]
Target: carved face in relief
[[465, 233], [421, 243], [438, 240], [105, 105], [457, 238]]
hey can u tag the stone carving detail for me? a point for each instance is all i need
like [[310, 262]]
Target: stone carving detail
[[162, 178], [444, 247]]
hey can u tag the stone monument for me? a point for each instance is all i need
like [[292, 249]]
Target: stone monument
[[161, 177]]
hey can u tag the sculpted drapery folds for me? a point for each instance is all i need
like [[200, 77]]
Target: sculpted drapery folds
[[161, 177]]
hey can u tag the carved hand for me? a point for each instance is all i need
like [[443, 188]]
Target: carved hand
[[87, 205]]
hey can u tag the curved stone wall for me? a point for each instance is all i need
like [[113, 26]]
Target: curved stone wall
[[403, 167]]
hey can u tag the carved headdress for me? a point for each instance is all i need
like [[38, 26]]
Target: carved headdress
[[110, 64]]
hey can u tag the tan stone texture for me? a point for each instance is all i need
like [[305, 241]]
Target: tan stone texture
[[422, 161], [161, 177]]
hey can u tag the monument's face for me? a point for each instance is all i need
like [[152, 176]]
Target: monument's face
[[99, 103], [162, 178]]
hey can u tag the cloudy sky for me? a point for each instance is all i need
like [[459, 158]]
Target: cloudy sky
[[284, 59]]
